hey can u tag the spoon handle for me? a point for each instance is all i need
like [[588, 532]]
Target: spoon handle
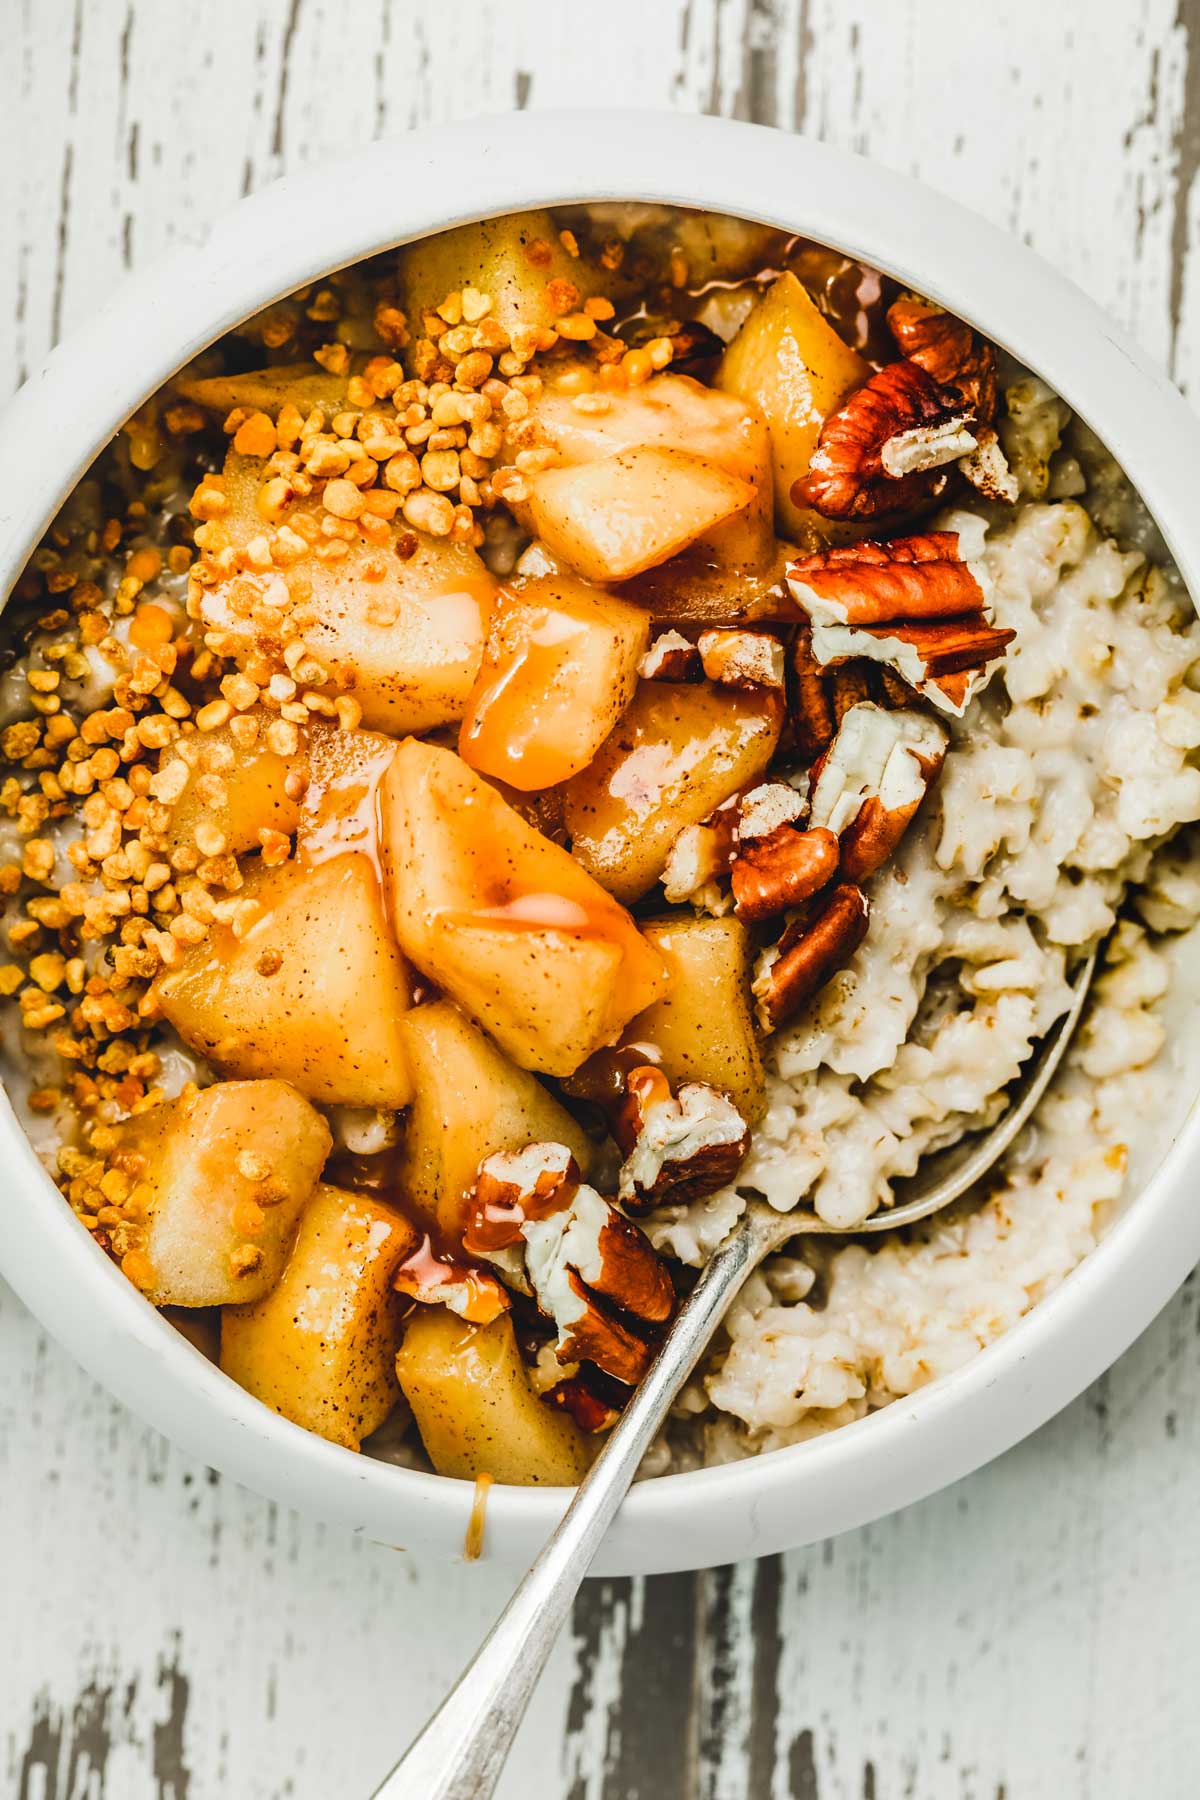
[[461, 1752]]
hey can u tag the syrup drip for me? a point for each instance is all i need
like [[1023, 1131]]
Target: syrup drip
[[424, 1271]]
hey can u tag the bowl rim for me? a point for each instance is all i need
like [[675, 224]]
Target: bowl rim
[[395, 191]]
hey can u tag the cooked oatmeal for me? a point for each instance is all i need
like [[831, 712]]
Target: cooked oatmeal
[[547, 735]]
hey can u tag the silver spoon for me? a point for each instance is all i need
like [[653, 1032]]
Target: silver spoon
[[461, 1752]]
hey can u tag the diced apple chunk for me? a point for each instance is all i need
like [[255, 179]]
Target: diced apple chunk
[[674, 412], [227, 1172], [561, 667], [403, 633], [320, 1348], [613, 518], [696, 589], [303, 385], [512, 260], [702, 1028], [677, 753], [469, 1101], [789, 362], [504, 920], [236, 786], [475, 1409], [313, 992]]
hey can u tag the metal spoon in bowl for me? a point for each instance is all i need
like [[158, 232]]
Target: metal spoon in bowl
[[461, 1752]]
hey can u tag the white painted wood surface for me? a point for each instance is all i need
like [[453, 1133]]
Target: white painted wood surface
[[1030, 1633]]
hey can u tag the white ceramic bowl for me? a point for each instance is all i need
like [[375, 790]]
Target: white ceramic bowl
[[303, 227]]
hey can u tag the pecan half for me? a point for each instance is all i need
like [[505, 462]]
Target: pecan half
[[914, 605], [947, 348], [938, 646], [923, 576], [893, 691], [873, 779], [882, 451], [850, 686], [676, 1146], [742, 659], [774, 873], [764, 808], [671, 657], [811, 950], [811, 712], [512, 1187], [822, 695], [988, 472], [556, 1239], [698, 860]]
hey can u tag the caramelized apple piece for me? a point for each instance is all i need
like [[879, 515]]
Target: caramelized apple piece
[[613, 518], [320, 1348], [469, 1101], [703, 1029], [227, 1172], [512, 260], [561, 667], [403, 633], [696, 589], [504, 920], [789, 362], [235, 783], [303, 385], [475, 1409], [677, 753], [313, 992], [674, 412]]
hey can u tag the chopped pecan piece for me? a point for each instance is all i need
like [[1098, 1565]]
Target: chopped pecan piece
[[811, 950], [677, 1147], [947, 348], [553, 1237], [742, 659], [872, 781], [671, 657], [752, 839], [882, 451], [590, 1411], [772, 874]]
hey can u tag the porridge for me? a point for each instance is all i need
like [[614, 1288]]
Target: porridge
[[547, 735]]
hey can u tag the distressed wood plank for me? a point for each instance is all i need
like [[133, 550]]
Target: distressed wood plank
[[1030, 1631]]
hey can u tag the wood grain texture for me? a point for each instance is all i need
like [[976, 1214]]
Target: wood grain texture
[[1029, 1633]]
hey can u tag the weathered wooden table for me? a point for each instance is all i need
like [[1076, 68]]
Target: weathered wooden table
[[1030, 1632]]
